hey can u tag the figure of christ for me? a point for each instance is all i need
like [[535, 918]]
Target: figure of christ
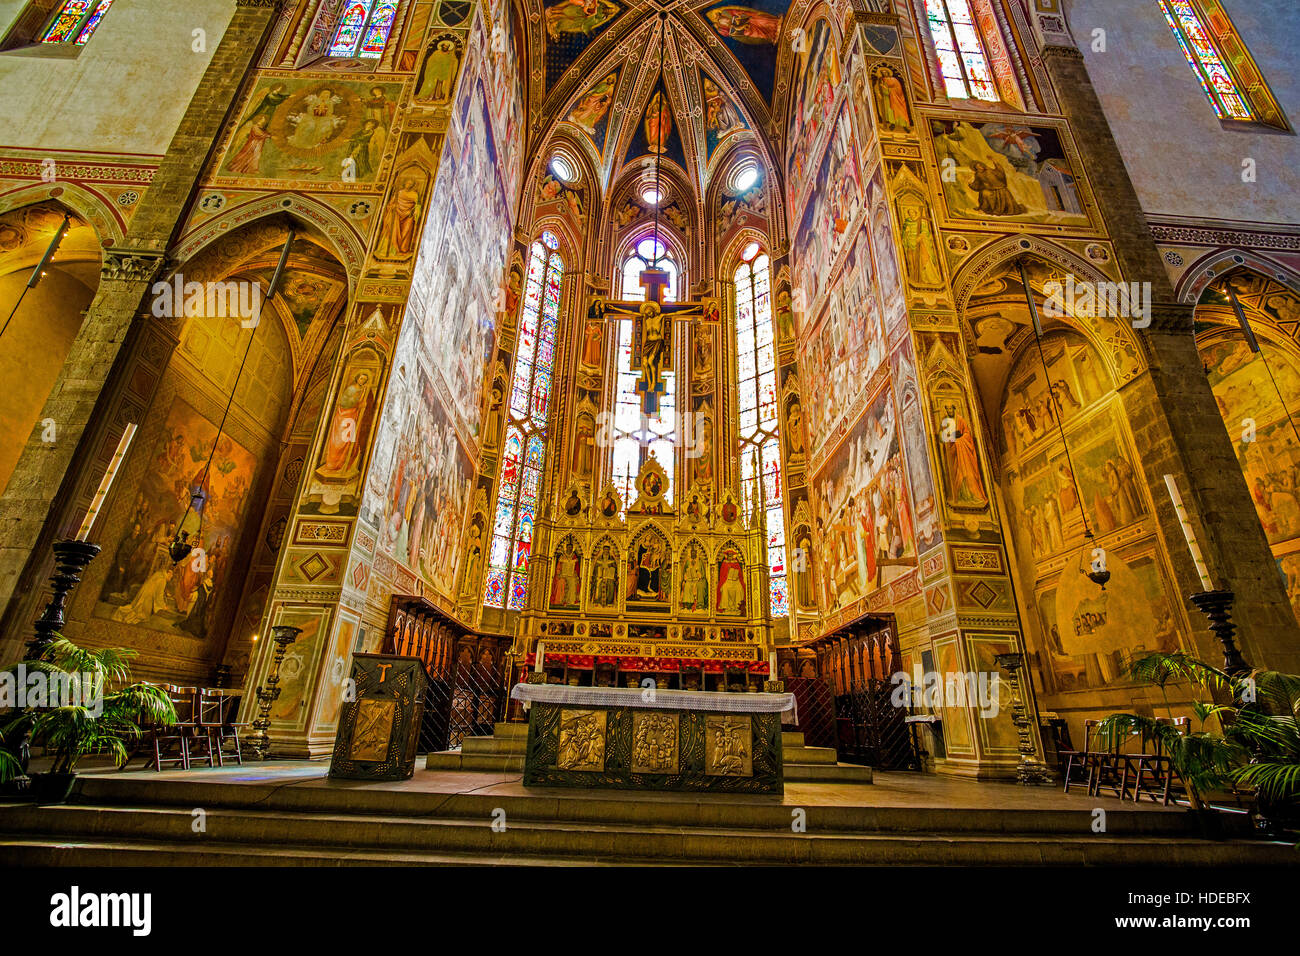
[[604, 590], [654, 348]]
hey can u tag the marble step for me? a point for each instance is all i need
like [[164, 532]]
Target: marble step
[[808, 765], [257, 836], [835, 811]]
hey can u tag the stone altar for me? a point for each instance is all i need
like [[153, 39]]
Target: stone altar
[[650, 739]]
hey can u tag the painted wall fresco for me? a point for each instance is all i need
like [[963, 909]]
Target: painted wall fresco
[[317, 128], [461, 261], [1084, 632], [816, 82], [845, 346], [833, 207], [143, 587], [1005, 171], [863, 509], [427, 444]]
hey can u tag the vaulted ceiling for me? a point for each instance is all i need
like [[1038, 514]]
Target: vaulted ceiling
[[595, 72]]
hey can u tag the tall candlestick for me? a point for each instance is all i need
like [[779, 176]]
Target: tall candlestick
[[106, 482], [541, 652], [771, 666], [1192, 546]]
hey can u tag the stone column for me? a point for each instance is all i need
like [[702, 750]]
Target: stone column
[[34, 509]]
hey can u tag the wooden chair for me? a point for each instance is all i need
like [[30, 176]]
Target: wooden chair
[[177, 735], [208, 715], [228, 731], [1109, 767], [1153, 773], [1077, 762]]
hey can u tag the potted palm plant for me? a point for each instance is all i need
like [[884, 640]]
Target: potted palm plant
[[1248, 740], [85, 716]]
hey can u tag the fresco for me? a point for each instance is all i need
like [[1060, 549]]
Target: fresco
[[912, 428], [312, 129], [846, 345], [1079, 379], [335, 482], [751, 32], [1090, 632], [863, 510], [1006, 171], [591, 112], [144, 588], [462, 258], [816, 80], [832, 210], [1270, 463], [720, 116], [887, 265], [571, 25], [427, 489]]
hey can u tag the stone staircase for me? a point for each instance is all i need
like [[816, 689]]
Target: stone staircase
[[263, 817], [503, 752]]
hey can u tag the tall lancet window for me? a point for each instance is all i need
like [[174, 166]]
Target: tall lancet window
[[363, 28], [75, 21], [1211, 71], [962, 60], [637, 436], [760, 425], [524, 452]]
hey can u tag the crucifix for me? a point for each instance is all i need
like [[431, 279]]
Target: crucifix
[[653, 333]]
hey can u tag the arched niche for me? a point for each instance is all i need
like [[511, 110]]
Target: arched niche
[[261, 382], [1258, 394], [40, 323]]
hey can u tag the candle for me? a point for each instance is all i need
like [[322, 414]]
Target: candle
[[541, 652], [1192, 546], [771, 666], [107, 482]]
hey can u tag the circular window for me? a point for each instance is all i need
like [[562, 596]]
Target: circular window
[[745, 177], [650, 249], [651, 194], [563, 169]]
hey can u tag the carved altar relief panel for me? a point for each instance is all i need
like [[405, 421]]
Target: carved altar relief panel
[[582, 740], [728, 750], [654, 742]]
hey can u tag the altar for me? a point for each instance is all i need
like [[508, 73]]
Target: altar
[[651, 739]]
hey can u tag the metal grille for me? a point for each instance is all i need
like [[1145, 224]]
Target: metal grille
[[815, 703]]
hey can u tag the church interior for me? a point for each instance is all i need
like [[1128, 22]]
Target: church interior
[[862, 386]]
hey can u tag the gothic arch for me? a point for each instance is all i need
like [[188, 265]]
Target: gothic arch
[[312, 214], [1119, 346], [89, 206], [1214, 265]]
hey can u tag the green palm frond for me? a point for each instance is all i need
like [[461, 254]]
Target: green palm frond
[[1161, 667], [9, 766], [1276, 782]]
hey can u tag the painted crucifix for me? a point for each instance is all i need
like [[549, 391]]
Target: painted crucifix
[[654, 322]]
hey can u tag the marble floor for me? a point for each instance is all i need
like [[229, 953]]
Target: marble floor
[[888, 789]]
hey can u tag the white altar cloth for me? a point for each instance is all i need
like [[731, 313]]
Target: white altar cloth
[[654, 699]]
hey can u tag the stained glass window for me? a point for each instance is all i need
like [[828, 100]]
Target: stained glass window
[[75, 21], [957, 43], [760, 426], [363, 28], [1205, 61], [524, 453], [638, 436]]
